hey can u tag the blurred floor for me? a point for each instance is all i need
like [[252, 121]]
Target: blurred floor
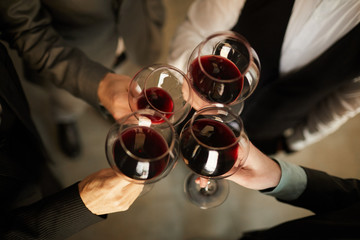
[[164, 213]]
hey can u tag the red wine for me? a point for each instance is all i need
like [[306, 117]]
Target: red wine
[[159, 99], [219, 68], [142, 142], [205, 161]]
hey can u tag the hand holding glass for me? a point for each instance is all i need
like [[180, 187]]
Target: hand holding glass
[[214, 146], [141, 150], [163, 88]]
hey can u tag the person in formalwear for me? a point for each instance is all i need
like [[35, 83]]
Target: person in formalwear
[[334, 201], [33, 204], [73, 45], [309, 52]]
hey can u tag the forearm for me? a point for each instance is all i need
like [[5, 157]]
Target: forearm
[[185, 40], [314, 190], [142, 24], [258, 172], [27, 28], [203, 19], [325, 193], [280, 179], [292, 182], [55, 217]]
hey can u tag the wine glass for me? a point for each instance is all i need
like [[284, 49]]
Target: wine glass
[[163, 88], [213, 145], [223, 69], [140, 150]]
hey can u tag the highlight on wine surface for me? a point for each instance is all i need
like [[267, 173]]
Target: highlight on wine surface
[[163, 88], [223, 69], [139, 149]]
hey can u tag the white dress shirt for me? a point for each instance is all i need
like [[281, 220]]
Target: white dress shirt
[[313, 27]]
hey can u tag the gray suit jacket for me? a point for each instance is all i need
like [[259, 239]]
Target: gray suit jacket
[[73, 44]]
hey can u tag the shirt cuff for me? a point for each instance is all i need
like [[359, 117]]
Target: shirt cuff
[[292, 182]]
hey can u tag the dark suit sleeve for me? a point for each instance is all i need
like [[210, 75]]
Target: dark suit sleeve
[[21, 163], [27, 26], [55, 217], [335, 201], [325, 193]]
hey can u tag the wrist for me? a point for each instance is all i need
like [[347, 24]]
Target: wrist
[[102, 88], [259, 171], [292, 183], [104, 112]]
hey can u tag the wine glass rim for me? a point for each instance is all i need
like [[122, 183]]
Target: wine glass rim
[[228, 111], [231, 35], [143, 112], [167, 66]]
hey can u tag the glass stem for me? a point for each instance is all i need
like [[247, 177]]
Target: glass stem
[[207, 186]]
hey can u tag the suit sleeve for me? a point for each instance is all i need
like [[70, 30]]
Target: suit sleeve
[[27, 26], [204, 17], [325, 193], [142, 23], [55, 217], [336, 203]]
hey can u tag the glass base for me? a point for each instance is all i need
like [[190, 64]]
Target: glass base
[[213, 195]]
